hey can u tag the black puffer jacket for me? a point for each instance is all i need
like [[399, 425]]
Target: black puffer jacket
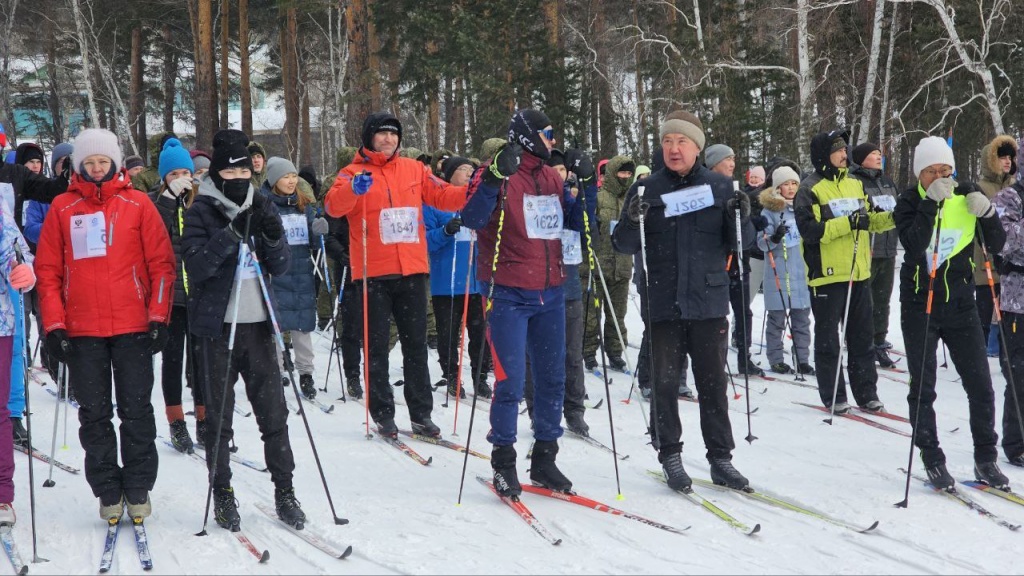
[[172, 211]]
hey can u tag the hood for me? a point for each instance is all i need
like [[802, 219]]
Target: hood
[[366, 156], [257, 148], [23, 150], [772, 200], [437, 156], [990, 161], [377, 121], [229, 208], [62, 150], [100, 193], [611, 183], [490, 147], [821, 146]]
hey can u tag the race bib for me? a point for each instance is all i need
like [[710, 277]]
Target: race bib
[[792, 235], [572, 249], [88, 235], [844, 206], [296, 229], [400, 225], [465, 234], [948, 240], [543, 217], [7, 195], [688, 200], [248, 271], [887, 203]]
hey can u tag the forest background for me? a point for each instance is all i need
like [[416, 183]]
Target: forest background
[[764, 75]]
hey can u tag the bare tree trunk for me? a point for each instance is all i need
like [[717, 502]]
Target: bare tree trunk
[[137, 115], [290, 78], [339, 55], [245, 89], [225, 49], [433, 119], [170, 71], [5, 68], [206, 90], [806, 82], [305, 136], [869, 82], [83, 46], [53, 94], [606, 112], [450, 104], [883, 113]]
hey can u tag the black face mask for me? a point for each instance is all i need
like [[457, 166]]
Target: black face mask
[[235, 189]]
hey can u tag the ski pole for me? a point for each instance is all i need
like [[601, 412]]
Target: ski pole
[[789, 298], [335, 346], [846, 314], [788, 321], [451, 321], [743, 298], [49, 483], [633, 380], [462, 337], [214, 451], [1002, 332], [28, 418], [366, 330], [290, 367], [924, 346], [488, 305], [643, 207]]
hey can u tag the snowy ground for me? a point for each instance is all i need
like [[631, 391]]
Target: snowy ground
[[404, 517]]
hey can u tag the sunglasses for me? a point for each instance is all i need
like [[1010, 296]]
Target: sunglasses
[[549, 133]]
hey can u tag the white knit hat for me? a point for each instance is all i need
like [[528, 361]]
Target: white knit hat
[[784, 174], [932, 150], [96, 141]]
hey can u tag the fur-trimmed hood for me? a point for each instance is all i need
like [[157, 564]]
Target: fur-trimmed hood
[[772, 200], [990, 169]]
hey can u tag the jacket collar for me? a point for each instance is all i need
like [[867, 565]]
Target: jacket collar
[[100, 193], [373, 157]]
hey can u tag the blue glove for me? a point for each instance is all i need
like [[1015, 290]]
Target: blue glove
[[361, 183]]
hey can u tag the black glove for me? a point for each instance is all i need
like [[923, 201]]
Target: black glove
[[759, 222], [238, 223], [271, 227], [860, 220], [741, 201], [579, 163], [637, 207], [65, 171], [453, 226], [780, 233], [158, 334], [505, 163], [59, 345]]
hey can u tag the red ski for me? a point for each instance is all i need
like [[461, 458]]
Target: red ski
[[523, 512], [857, 418], [573, 498]]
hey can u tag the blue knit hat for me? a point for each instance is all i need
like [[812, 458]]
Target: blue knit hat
[[174, 157]]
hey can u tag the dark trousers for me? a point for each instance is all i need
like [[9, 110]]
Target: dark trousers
[[173, 361], [986, 307], [1013, 327], [828, 303], [125, 362], [405, 298], [575, 388], [704, 342], [448, 316], [351, 329], [956, 323], [254, 358], [883, 272], [643, 363], [740, 309]]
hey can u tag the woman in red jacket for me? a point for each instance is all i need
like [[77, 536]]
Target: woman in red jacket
[[106, 285]]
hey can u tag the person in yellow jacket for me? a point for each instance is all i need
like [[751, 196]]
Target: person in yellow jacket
[[834, 224]]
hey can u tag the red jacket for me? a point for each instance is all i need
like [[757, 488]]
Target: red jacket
[[100, 295], [397, 182]]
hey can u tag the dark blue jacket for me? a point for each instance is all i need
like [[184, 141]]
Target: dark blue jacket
[[35, 214], [442, 248], [211, 256], [686, 254], [295, 290]]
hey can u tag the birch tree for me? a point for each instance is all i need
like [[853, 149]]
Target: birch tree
[[872, 76]]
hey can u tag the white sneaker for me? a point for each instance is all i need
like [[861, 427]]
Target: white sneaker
[[874, 406], [841, 408], [7, 516]]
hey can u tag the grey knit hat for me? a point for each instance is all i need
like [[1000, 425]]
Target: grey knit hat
[[277, 168], [716, 153]]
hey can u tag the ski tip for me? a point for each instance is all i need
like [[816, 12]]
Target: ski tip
[[346, 553], [430, 460], [754, 530], [870, 528], [556, 542], [264, 557]]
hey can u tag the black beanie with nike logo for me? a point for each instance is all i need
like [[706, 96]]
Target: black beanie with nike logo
[[230, 150]]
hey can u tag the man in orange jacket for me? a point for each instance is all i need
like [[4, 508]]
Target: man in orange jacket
[[382, 193]]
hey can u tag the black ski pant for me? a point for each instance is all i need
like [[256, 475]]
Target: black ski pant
[[575, 387], [956, 323], [704, 342], [883, 272], [173, 361], [405, 298], [350, 338], [828, 303], [739, 286], [986, 307], [643, 364], [1013, 327], [126, 362], [254, 358], [448, 316]]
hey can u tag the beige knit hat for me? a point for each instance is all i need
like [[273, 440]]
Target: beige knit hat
[[685, 123]]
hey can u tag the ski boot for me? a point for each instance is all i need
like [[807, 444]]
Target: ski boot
[[989, 473], [225, 509], [590, 363], [453, 391], [387, 427], [574, 423], [201, 431], [617, 363], [506, 481], [782, 368], [426, 427], [686, 392], [724, 473], [180, 439], [874, 406], [841, 408], [7, 516], [355, 390], [19, 433], [112, 506], [645, 393], [749, 367], [1017, 460], [482, 389], [885, 345], [543, 471], [306, 386], [139, 505], [675, 474], [939, 477], [288, 508], [806, 369], [883, 359]]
